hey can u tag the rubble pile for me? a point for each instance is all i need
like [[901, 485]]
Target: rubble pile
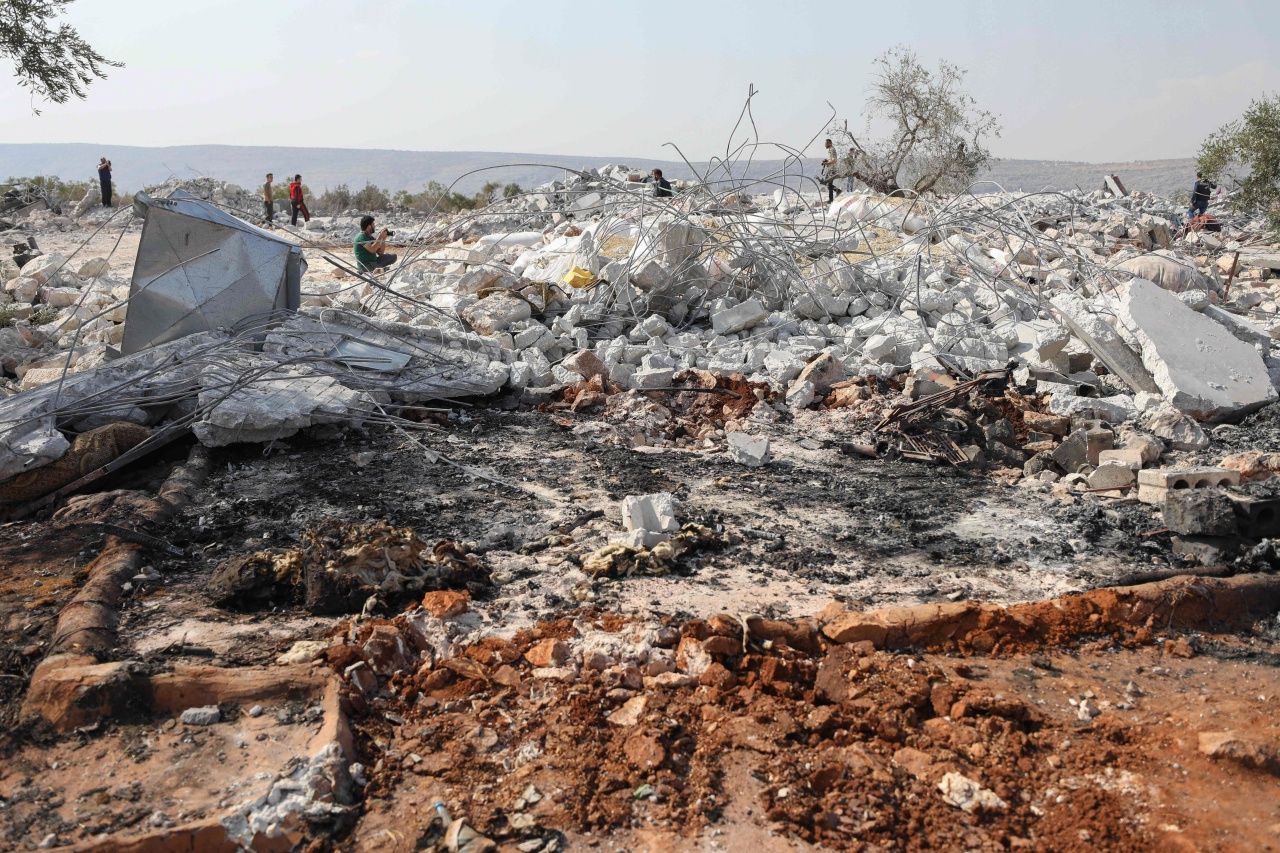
[[684, 321]]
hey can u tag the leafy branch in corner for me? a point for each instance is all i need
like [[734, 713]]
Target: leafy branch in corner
[[49, 57]]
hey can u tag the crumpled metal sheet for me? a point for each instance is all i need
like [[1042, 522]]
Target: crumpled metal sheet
[[200, 269]]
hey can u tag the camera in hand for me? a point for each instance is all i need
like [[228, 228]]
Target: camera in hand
[[390, 233]]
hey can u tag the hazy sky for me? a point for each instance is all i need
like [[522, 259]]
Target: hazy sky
[[1081, 81]]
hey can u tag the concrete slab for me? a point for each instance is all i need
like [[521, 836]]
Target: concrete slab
[[1104, 342], [1200, 366]]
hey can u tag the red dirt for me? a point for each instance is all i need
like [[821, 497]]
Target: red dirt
[[840, 749]]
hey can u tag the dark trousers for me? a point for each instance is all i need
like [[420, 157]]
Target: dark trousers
[[384, 260], [294, 207], [832, 192], [1198, 207], [269, 209], [106, 192]]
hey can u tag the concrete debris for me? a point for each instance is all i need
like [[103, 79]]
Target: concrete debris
[[1111, 475], [1199, 365], [967, 795], [649, 519], [1182, 433], [277, 404], [205, 715], [1199, 512], [1169, 272], [749, 450], [581, 293], [1104, 342], [1154, 485]]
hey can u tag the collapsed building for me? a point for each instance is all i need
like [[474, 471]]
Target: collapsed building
[[1083, 346], [1090, 303]]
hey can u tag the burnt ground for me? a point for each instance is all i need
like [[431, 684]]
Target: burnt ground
[[815, 525]]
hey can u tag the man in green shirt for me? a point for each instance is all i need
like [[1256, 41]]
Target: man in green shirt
[[370, 254]]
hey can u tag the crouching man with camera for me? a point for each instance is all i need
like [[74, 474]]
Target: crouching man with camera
[[370, 251]]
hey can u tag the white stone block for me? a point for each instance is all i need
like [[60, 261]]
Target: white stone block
[[654, 514], [657, 378], [744, 315], [750, 450]]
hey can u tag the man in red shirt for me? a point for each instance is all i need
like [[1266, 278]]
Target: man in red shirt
[[296, 203]]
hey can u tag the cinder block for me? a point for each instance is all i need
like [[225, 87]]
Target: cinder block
[[1259, 517], [1154, 484]]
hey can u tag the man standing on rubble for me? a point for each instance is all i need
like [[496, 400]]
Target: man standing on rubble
[[104, 179], [1200, 196], [661, 186], [370, 251], [268, 202], [830, 165], [296, 202]]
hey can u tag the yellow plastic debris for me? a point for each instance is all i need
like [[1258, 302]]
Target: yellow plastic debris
[[578, 277]]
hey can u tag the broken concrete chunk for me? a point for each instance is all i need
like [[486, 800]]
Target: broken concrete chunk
[[278, 404], [30, 445], [824, 371], [1111, 475], [205, 715], [967, 795], [1128, 456], [93, 268], [1115, 409], [1199, 512], [749, 450], [800, 395], [654, 378], [1103, 341], [744, 315], [653, 514], [1180, 431], [1200, 366], [586, 364], [46, 269], [496, 312], [1042, 422]]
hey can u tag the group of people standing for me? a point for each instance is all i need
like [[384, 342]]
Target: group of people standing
[[297, 204]]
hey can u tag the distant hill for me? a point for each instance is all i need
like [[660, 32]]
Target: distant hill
[[1163, 177], [135, 167]]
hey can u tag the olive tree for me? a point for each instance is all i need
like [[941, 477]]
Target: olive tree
[[49, 57], [934, 136], [1246, 154]]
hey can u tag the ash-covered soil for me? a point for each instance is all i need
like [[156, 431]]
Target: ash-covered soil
[[532, 500]]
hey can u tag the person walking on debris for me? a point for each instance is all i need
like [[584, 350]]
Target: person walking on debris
[[104, 179], [661, 186], [1200, 196], [370, 251], [268, 202], [296, 202], [830, 165]]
